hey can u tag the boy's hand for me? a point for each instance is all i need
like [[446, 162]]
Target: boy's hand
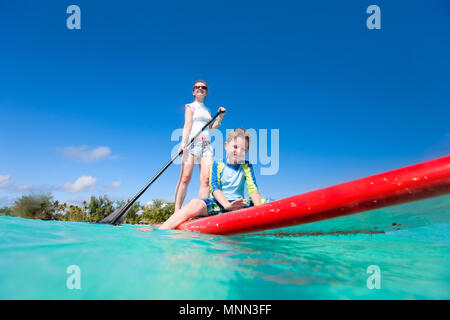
[[236, 204]]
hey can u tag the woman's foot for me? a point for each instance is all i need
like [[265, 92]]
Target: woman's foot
[[145, 229]]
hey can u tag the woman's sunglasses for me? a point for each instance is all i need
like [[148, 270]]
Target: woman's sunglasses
[[201, 87]]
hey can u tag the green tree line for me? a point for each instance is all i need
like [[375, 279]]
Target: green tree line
[[46, 208]]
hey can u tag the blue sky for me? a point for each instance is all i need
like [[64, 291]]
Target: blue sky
[[348, 101]]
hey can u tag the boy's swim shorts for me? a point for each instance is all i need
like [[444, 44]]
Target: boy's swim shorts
[[214, 207]]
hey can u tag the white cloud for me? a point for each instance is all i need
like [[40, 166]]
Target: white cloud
[[6, 201], [23, 187], [150, 203], [114, 185], [86, 154], [5, 181], [83, 183], [78, 201], [7, 184]]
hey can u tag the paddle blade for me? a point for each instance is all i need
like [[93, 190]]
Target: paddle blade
[[117, 217]]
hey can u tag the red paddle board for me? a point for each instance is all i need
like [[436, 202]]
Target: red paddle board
[[420, 181]]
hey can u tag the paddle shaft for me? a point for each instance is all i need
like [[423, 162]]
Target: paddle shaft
[[137, 196]]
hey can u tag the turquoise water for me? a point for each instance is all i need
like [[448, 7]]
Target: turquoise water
[[123, 263]]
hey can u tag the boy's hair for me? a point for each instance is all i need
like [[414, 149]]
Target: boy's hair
[[240, 132]]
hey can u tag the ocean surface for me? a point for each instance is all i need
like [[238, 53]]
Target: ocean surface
[[400, 252]]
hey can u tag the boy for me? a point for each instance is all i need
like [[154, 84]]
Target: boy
[[226, 184]]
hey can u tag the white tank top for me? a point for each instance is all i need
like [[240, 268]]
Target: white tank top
[[201, 116]]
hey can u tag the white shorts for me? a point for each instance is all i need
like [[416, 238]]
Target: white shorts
[[201, 147]]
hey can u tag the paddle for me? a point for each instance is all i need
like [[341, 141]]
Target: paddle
[[118, 216]]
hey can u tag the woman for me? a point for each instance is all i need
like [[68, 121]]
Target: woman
[[196, 116]]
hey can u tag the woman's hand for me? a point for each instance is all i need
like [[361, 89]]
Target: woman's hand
[[219, 118], [236, 204], [182, 148]]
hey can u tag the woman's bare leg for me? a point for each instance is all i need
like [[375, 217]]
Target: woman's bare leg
[[205, 167], [194, 208], [187, 167]]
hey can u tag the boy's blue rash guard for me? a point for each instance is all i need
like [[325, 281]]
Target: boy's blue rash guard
[[231, 179]]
